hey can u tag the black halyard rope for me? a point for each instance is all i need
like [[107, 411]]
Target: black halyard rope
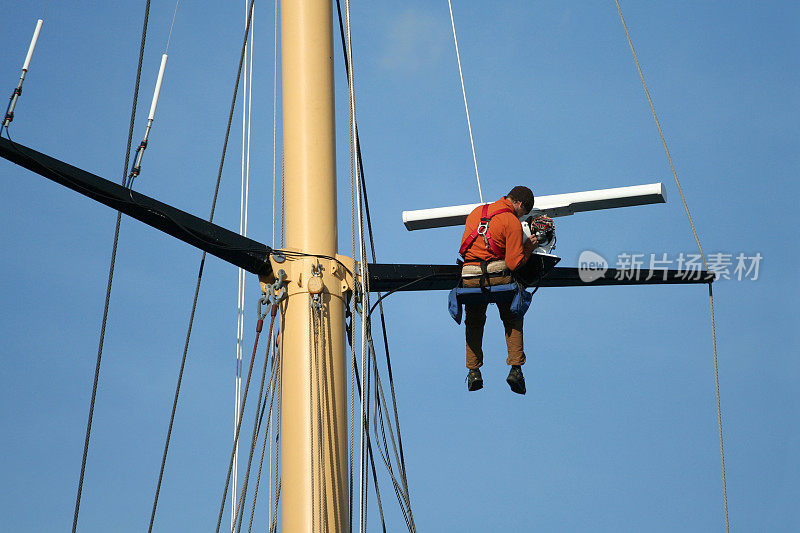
[[403, 478], [200, 274], [111, 268]]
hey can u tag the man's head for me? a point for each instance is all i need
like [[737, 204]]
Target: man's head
[[522, 199]]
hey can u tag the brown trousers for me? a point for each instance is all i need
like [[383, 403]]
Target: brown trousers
[[475, 319]]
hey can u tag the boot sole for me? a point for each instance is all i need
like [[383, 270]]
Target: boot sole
[[475, 385], [516, 386]]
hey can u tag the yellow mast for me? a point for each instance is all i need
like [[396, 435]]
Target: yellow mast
[[313, 420]]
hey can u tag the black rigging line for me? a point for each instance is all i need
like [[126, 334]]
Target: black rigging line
[[200, 274], [383, 318], [111, 268]]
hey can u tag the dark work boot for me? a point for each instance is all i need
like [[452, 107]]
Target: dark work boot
[[474, 380], [516, 380]]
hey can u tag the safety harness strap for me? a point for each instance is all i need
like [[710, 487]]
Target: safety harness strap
[[483, 231]]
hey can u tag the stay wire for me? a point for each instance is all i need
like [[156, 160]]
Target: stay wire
[[362, 181], [241, 415], [466, 107], [702, 254], [380, 402], [357, 381], [277, 479], [363, 267], [111, 265], [271, 398], [200, 275], [244, 207], [239, 515], [172, 25], [378, 417]]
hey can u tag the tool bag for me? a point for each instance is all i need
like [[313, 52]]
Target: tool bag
[[511, 292]]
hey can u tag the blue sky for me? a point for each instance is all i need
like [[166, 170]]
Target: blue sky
[[618, 430]]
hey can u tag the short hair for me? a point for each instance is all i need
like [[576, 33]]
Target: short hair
[[520, 193]]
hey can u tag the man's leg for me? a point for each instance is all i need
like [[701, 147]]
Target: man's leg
[[516, 356], [513, 330], [475, 319]]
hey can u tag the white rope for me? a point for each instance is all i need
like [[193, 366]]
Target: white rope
[[363, 272], [244, 201], [274, 190], [274, 119], [466, 107]]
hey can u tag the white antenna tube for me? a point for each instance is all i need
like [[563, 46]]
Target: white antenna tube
[[33, 44], [137, 162], [158, 87], [18, 91]]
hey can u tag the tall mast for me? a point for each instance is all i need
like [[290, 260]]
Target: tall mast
[[313, 419]]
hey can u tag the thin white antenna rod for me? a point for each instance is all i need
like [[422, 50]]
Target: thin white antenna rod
[[33, 44], [18, 90], [466, 107], [137, 161], [157, 90]]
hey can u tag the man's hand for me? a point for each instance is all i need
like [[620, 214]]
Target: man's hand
[[533, 240]]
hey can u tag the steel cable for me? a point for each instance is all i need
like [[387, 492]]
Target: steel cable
[[271, 395], [241, 414], [200, 274], [111, 266], [359, 171], [238, 515]]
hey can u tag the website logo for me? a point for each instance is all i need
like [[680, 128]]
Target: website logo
[[591, 266]]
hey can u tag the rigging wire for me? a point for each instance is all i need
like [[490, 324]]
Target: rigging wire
[[702, 254], [262, 397], [363, 269], [274, 116], [271, 393], [274, 183], [199, 279], [241, 413], [466, 107], [244, 200], [110, 268], [276, 472], [363, 189], [171, 26]]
